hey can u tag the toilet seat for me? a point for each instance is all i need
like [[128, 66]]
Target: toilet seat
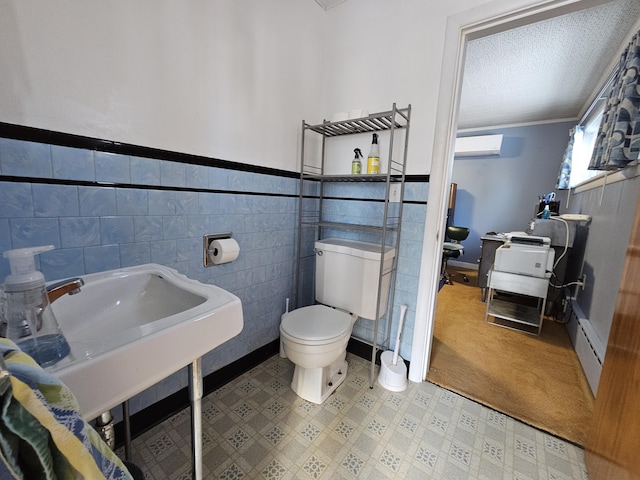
[[316, 325]]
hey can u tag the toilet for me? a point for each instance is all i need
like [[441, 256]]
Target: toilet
[[315, 338]]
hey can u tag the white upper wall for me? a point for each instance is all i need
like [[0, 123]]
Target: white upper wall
[[230, 79], [223, 78], [379, 52]]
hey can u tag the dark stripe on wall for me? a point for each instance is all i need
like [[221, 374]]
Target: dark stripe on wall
[[32, 134], [414, 202], [85, 183]]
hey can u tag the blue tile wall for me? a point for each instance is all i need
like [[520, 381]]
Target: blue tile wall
[[72, 163], [145, 171], [26, 159], [112, 168], [99, 227]]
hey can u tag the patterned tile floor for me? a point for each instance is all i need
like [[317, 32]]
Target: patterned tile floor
[[256, 427]]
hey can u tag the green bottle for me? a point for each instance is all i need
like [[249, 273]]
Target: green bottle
[[356, 164]]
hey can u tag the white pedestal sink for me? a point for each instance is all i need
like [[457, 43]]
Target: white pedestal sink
[[130, 328]]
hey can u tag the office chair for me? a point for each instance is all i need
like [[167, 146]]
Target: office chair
[[453, 249]]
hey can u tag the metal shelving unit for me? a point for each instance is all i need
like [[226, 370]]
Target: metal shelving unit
[[313, 219]]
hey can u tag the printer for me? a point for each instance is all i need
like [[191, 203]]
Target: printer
[[525, 255]]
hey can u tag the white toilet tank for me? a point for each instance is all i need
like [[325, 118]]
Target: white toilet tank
[[347, 273]]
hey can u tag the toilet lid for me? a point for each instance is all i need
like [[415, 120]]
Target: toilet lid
[[316, 323]]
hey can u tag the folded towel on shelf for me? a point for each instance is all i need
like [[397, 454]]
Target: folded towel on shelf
[[42, 434]]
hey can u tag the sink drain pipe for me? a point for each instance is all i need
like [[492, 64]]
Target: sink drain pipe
[[106, 430]]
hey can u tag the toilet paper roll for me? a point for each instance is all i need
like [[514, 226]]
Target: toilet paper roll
[[224, 250]]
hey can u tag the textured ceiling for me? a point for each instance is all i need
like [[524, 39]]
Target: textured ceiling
[[542, 71]]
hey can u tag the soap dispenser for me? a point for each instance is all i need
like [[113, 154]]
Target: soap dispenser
[[30, 320]]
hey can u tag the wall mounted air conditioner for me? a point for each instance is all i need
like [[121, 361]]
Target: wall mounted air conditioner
[[478, 146]]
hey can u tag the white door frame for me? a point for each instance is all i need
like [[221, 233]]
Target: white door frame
[[474, 23]]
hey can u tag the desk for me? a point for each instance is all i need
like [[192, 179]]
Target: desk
[[490, 244], [522, 309]]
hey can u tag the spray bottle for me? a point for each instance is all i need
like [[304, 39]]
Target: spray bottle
[[356, 164], [30, 320], [373, 162]]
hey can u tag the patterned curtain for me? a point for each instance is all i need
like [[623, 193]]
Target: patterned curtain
[[564, 175], [618, 141]]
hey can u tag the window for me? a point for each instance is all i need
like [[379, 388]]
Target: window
[[584, 141]]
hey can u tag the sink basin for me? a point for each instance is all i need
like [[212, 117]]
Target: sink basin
[[130, 328]]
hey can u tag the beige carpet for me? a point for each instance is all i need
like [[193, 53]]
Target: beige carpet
[[537, 380]]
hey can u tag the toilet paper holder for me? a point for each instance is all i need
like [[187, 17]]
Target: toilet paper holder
[[208, 239]]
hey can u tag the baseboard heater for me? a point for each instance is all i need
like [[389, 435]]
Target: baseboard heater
[[587, 345]]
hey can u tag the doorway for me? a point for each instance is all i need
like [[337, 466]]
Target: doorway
[[460, 29]]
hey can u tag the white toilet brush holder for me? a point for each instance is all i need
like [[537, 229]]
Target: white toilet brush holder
[[392, 377], [393, 370]]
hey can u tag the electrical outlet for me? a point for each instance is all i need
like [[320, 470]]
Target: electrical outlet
[[583, 281], [394, 192]]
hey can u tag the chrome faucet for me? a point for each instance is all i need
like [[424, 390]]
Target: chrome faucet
[[70, 286]]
